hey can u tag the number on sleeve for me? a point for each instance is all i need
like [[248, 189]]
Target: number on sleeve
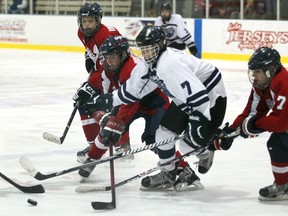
[[282, 100], [186, 85]]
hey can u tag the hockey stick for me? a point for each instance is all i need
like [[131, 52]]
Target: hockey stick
[[30, 168], [25, 189], [85, 189], [59, 140], [108, 205]]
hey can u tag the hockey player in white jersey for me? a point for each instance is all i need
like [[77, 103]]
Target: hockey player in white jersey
[[198, 102], [177, 35]]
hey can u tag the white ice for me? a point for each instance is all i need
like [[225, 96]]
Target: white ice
[[36, 88]]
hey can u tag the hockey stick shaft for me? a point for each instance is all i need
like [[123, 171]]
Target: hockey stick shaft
[[25, 189], [83, 189], [97, 205], [109, 205], [30, 168]]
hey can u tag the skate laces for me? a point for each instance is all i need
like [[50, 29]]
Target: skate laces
[[85, 151], [161, 178]]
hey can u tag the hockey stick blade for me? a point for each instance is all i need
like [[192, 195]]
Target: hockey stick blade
[[102, 205], [28, 166], [25, 189], [52, 138]]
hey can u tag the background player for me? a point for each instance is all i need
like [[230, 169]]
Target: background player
[[177, 34]]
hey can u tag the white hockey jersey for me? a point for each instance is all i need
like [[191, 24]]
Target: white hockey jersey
[[191, 83], [175, 30]]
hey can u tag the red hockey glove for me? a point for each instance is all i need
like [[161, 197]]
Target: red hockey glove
[[111, 129]]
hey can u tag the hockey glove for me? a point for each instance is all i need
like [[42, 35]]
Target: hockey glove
[[198, 129], [193, 49], [102, 102], [84, 93], [223, 143], [111, 129], [248, 129], [89, 64]]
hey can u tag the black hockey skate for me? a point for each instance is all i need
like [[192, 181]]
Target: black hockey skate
[[187, 180], [85, 172], [162, 180], [274, 192]]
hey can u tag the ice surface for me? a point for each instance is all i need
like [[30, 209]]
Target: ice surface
[[36, 88]]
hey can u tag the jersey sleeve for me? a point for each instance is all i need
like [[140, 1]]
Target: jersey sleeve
[[135, 88], [183, 33]]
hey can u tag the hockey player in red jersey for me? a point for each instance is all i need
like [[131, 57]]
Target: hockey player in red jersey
[[92, 33], [267, 110], [118, 65]]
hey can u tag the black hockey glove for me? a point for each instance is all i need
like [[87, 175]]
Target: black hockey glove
[[89, 64], [111, 128], [102, 102], [248, 129], [84, 93], [193, 49], [198, 129], [223, 143]]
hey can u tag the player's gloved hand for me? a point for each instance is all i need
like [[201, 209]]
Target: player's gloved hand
[[193, 49], [102, 102], [248, 129], [89, 64], [85, 92], [111, 129], [222, 143], [198, 128]]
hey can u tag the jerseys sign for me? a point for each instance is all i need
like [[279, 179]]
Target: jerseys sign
[[248, 39]]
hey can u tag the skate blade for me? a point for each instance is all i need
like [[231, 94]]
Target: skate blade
[[278, 198], [196, 185], [158, 188]]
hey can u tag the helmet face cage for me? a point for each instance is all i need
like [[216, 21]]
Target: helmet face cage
[[151, 40], [150, 53], [264, 59], [90, 10], [111, 46]]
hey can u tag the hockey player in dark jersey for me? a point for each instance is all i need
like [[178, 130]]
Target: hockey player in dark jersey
[[198, 97], [92, 33], [118, 65], [177, 35], [267, 110]]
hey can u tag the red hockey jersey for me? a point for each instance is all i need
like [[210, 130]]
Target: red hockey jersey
[[269, 105], [92, 46]]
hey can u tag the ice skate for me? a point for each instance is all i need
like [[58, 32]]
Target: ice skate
[[274, 192], [160, 181], [82, 155], [124, 148], [85, 172], [188, 180], [205, 161]]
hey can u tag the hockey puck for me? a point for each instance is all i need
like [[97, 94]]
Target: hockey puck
[[32, 202]]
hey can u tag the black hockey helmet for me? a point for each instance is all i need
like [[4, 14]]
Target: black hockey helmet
[[166, 7], [114, 44], [90, 10], [152, 40], [265, 59]]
